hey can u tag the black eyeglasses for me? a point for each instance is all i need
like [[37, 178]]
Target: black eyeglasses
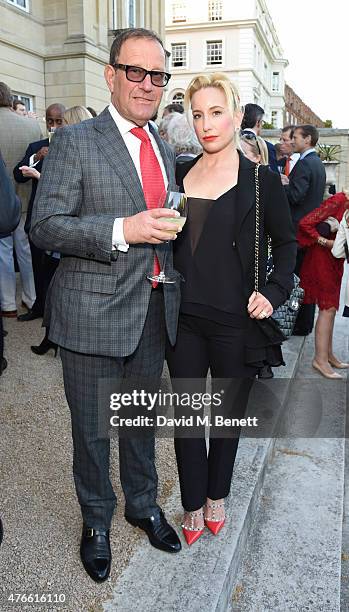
[[137, 75], [250, 136]]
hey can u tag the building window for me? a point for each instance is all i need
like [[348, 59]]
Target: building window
[[275, 86], [179, 55], [215, 10], [178, 98], [131, 13], [214, 53], [22, 4], [274, 118], [179, 12], [27, 100]]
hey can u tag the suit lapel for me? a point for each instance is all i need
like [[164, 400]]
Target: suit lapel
[[246, 191], [111, 143]]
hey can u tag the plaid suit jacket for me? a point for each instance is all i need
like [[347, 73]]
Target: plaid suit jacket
[[98, 299]]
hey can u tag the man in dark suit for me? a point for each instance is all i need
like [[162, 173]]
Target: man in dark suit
[[97, 204], [305, 188], [33, 159], [252, 122]]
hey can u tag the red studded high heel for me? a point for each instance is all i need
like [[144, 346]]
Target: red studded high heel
[[214, 524], [191, 533]]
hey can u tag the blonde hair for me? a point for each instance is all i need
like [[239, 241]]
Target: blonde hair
[[76, 114], [219, 80]]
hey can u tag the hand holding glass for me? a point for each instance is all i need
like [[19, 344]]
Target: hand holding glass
[[174, 200]]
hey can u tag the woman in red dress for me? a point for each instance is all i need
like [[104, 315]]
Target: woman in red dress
[[321, 277]]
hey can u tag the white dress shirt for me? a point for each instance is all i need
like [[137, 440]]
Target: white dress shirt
[[305, 153], [293, 160], [133, 145]]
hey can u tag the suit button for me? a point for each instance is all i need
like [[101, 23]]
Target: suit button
[[233, 244]]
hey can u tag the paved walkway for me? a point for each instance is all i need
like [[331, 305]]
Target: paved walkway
[[42, 523], [37, 500]]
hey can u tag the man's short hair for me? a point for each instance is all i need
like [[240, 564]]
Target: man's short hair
[[17, 103], [289, 128], [174, 108], [309, 130], [253, 113], [120, 36], [5, 95]]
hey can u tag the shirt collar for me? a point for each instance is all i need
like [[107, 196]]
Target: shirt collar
[[250, 130], [124, 125], [312, 150]]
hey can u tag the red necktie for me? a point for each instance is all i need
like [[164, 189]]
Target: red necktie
[[152, 179], [287, 166]]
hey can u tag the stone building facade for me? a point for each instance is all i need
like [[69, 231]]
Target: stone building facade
[[297, 112], [237, 38], [55, 50]]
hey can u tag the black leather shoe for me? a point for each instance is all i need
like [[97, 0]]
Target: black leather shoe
[[160, 533], [95, 553], [30, 316]]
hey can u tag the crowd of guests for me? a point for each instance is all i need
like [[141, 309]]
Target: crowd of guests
[[96, 232]]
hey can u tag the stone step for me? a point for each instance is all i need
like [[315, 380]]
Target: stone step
[[296, 551], [202, 578]]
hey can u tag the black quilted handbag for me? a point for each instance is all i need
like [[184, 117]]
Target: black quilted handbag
[[285, 316]]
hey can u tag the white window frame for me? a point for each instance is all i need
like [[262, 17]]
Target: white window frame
[[24, 98], [16, 5], [215, 10], [274, 118], [130, 11], [178, 93], [214, 41], [185, 64], [177, 7], [115, 15], [275, 81]]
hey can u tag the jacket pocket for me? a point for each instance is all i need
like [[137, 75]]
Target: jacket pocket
[[90, 282]]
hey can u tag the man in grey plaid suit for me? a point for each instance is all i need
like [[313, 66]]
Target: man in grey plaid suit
[[103, 312]]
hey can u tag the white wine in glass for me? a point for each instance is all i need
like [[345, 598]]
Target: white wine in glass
[[175, 200]]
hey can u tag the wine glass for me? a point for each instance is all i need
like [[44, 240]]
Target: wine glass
[[174, 200], [51, 134]]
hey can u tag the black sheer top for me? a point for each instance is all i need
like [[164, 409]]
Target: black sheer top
[[206, 256]]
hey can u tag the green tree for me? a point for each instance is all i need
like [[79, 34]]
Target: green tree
[[328, 123]]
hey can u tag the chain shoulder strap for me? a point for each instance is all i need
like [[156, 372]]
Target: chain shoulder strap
[[256, 244]]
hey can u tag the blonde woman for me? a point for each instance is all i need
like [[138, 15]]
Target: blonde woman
[[217, 327]]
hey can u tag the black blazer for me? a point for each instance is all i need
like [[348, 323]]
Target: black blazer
[[275, 221], [33, 148], [305, 190], [10, 206]]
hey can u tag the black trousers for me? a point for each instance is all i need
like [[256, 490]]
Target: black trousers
[[305, 319], [203, 344]]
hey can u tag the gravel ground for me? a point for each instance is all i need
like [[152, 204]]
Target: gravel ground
[[42, 523]]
